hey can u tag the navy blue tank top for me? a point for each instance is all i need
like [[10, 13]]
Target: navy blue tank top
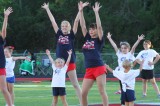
[[64, 44], [92, 51], [2, 57]]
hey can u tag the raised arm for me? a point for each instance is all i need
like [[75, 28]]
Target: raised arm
[[98, 21], [136, 43], [112, 42], [76, 21], [49, 56], [81, 5], [20, 58], [69, 57], [4, 27], [51, 17]]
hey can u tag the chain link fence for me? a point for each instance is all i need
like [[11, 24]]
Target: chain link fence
[[42, 67]]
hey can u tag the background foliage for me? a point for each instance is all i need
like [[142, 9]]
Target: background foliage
[[30, 28]]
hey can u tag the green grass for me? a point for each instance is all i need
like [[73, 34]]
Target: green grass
[[39, 94]]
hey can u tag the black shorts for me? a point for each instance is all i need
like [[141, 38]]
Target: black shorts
[[59, 91], [128, 96], [147, 74]]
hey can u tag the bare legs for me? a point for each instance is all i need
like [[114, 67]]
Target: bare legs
[[3, 88], [73, 78], [87, 84]]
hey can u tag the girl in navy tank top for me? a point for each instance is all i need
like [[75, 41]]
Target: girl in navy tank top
[[95, 69]]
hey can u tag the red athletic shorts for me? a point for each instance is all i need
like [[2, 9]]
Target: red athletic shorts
[[2, 71], [71, 67], [93, 73]]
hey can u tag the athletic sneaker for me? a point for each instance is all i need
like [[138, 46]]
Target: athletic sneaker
[[143, 96], [118, 92]]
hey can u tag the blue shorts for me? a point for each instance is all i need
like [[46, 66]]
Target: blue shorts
[[59, 91], [128, 96], [10, 79]]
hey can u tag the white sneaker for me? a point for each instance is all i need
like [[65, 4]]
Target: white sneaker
[[143, 96], [12, 105]]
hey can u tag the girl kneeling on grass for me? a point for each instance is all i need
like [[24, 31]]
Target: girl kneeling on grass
[[58, 80], [127, 76]]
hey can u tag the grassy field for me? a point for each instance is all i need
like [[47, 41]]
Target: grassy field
[[39, 94]]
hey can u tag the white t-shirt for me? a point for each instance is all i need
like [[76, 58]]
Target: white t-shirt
[[59, 76], [127, 79], [10, 64], [122, 57], [147, 55]]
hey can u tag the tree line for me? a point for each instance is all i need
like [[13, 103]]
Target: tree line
[[30, 28]]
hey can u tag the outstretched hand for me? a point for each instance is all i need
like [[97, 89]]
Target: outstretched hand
[[141, 37], [8, 11], [85, 4], [81, 5], [70, 52], [45, 5], [107, 66], [47, 52], [109, 35], [96, 7]]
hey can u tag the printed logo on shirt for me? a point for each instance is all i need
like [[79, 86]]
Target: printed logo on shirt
[[63, 40], [124, 58], [88, 45], [144, 55], [57, 71], [118, 69]]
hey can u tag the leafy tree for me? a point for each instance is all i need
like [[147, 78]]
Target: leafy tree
[[30, 28]]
